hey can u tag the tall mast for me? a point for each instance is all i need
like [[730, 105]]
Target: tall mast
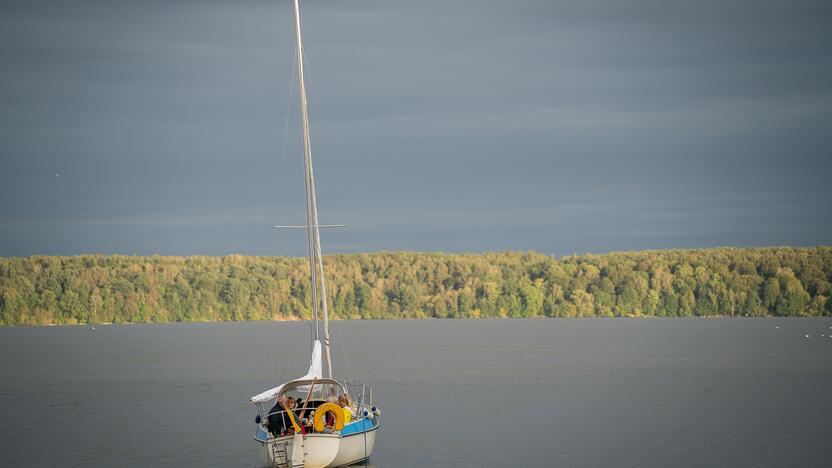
[[312, 228], [307, 158]]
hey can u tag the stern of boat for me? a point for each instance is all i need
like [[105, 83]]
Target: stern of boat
[[319, 450]]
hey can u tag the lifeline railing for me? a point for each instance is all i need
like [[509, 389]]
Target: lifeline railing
[[306, 420]]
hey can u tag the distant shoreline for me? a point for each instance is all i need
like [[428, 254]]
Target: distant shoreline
[[716, 282], [642, 317]]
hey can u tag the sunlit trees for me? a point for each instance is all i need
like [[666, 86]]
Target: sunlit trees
[[705, 282], [771, 292], [793, 299]]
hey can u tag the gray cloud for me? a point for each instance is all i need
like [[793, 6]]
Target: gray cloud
[[562, 126]]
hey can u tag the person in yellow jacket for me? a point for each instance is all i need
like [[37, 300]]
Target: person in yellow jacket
[[344, 403]]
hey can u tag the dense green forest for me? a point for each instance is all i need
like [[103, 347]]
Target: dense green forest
[[118, 289]]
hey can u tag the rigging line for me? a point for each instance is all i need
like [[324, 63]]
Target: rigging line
[[317, 241], [344, 352], [280, 173], [334, 336], [364, 426], [311, 88], [288, 114]]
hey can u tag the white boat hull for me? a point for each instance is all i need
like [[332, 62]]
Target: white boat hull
[[355, 447], [321, 450]]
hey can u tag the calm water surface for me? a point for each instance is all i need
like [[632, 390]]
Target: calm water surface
[[455, 393]]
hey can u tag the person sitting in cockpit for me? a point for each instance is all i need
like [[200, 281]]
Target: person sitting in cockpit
[[280, 424], [344, 403]]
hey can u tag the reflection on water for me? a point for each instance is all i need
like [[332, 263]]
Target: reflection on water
[[455, 393]]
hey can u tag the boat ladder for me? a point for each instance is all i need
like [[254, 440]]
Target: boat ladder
[[281, 458]]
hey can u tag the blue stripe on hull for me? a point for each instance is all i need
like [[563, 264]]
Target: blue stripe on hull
[[357, 427]]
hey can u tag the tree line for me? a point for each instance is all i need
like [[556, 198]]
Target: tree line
[[780, 281]]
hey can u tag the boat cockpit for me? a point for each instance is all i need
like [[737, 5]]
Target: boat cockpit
[[317, 406]]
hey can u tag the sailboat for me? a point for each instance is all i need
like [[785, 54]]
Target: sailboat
[[316, 420]]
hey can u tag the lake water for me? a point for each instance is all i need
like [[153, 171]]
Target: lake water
[[455, 393]]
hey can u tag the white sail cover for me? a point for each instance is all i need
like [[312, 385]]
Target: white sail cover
[[315, 363], [315, 372]]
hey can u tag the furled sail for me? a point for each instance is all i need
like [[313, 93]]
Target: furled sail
[[315, 372], [315, 363]]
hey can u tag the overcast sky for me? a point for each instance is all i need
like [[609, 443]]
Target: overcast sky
[[563, 126]]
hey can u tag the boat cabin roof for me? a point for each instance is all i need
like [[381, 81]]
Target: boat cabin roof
[[273, 393]]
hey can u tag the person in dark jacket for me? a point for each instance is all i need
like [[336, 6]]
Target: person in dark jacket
[[280, 424]]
